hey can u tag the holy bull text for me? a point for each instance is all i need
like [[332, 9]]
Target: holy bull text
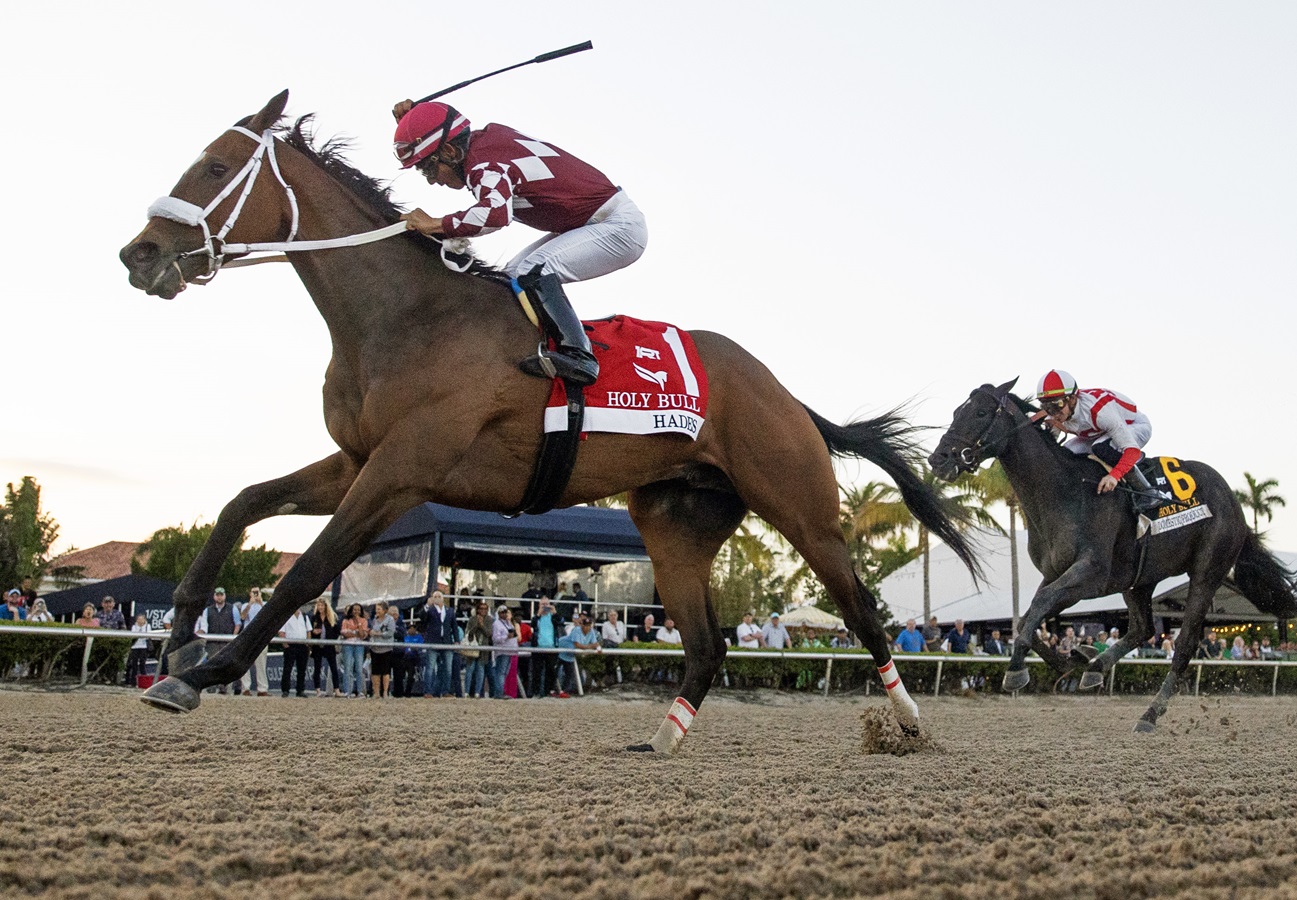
[[650, 400]]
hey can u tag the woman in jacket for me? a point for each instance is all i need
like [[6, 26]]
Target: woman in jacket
[[382, 628], [325, 626], [479, 631]]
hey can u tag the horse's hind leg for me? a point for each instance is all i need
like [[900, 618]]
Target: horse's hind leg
[[791, 485], [683, 528], [315, 490], [1201, 592], [1139, 603]]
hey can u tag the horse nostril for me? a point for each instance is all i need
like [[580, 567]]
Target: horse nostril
[[139, 254]]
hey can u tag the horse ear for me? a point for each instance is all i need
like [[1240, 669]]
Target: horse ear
[[270, 113], [1007, 386]]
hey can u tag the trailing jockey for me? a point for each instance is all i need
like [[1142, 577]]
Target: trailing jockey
[[593, 227], [1103, 423]]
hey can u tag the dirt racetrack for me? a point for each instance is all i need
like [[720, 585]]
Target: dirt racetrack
[[770, 796]]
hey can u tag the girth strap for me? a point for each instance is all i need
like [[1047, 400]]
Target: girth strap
[[556, 459]]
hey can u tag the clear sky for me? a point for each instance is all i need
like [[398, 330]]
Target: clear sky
[[881, 201]]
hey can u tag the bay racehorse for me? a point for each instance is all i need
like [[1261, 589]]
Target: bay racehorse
[[1085, 546], [425, 401]]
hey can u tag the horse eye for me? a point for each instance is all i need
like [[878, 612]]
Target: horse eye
[[981, 414], [217, 169]]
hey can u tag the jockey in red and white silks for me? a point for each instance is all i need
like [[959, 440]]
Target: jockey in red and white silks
[[1103, 415], [1104, 423]]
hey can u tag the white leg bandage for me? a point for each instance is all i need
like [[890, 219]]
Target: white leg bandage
[[907, 711], [672, 731]]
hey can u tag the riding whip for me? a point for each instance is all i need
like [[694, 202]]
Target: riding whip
[[544, 57]]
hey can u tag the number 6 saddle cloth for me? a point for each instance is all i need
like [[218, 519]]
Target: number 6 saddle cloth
[[1166, 474]]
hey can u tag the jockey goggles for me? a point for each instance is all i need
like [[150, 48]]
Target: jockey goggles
[[407, 150]]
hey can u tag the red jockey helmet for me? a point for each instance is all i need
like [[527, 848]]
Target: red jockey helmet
[[1055, 385], [422, 130]]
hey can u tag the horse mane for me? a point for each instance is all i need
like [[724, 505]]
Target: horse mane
[[330, 157], [1056, 441], [376, 194]]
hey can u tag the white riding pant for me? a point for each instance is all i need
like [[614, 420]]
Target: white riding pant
[[615, 237], [1141, 430], [260, 666]]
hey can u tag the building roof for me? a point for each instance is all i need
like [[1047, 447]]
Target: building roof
[[954, 596], [110, 560], [113, 560]]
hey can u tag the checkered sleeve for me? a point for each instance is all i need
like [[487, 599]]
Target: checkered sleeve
[[493, 187]]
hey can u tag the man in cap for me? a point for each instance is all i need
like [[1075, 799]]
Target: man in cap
[[842, 640], [218, 618], [13, 608], [775, 635]]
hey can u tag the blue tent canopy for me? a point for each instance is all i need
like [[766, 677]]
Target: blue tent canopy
[[573, 538]]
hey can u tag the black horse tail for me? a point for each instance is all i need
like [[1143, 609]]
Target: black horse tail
[[890, 442], [1264, 580]]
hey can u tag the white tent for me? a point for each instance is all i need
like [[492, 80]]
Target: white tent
[[811, 617], [954, 596]]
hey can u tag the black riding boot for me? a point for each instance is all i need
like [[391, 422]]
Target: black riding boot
[[573, 360], [1147, 498]]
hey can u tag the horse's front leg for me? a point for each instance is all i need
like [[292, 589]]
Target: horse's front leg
[[375, 500], [1139, 603], [313, 491], [1073, 585]]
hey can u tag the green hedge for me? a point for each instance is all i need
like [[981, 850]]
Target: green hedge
[[45, 657]]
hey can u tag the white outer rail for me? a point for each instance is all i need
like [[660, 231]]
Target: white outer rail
[[940, 659]]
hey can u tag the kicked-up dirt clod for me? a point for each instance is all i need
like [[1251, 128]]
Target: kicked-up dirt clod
[[881, 732]]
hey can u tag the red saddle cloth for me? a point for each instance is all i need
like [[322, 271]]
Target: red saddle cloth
[[651, 381]]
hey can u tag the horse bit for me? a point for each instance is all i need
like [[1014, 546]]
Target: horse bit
[[214, 246]]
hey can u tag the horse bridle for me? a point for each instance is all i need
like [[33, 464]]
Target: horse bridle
[[186, 213], [968, 458], [216, 249]]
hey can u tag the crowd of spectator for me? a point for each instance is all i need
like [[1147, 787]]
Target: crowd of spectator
[[493, 657]]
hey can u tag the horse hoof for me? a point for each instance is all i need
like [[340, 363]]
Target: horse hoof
[[641, 748], [1091, 680], [1016, 680], [186, 657], [1143, 727], [173, 695], [1083, 654]]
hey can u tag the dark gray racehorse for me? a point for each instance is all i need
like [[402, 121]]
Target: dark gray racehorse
[[1084, 543]]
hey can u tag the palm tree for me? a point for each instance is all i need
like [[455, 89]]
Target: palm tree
[[873, 518], [966, 506], [872, 512], [992, 485], [743, 568], [1260, 498]]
